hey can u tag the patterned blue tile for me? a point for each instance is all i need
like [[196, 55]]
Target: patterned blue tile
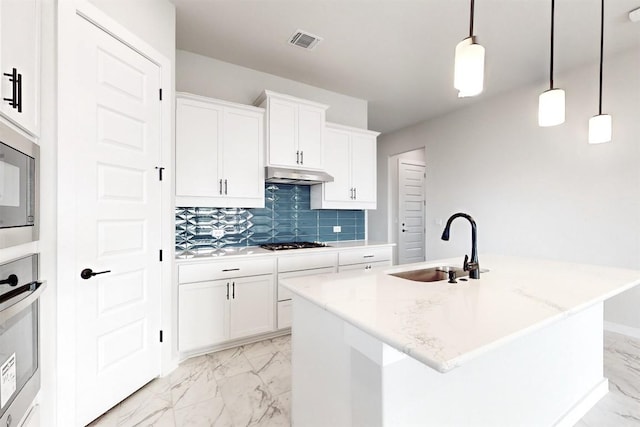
[[286, 217]]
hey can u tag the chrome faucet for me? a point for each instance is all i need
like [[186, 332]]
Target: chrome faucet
[[472, 267]]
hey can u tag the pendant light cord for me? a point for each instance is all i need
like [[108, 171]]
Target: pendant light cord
[[553, 6], [471, 19], [601, 53]]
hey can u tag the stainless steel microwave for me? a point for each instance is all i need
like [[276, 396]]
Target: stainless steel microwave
[[19, 164]]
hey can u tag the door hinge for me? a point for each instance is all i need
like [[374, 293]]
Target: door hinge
[[160, 253], [160, 170], [160, 90], [161, 338]]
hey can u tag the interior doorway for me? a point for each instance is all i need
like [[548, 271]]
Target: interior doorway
[[407, 206]]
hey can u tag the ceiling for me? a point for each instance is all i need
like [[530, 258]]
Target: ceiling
[[398, 54]]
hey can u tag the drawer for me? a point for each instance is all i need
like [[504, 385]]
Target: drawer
[[284, 314], [358, 256], [285, 294], [369, 266], [306, 262], [226, 269]]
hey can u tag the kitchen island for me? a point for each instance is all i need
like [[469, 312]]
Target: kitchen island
[[523, 345]]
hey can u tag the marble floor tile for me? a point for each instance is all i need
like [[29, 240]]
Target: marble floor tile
[[208, 413], [251, 386], [275, 370], [227, 363]]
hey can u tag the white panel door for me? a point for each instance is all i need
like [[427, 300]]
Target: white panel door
[[337, 155], [118, 221], [283, 133], [411, 240], [198, 133], [242, 163], [310, 129], [251, 310], [363, 167], [203, 314]]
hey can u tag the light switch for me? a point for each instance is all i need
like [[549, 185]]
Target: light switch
[[217, 233]]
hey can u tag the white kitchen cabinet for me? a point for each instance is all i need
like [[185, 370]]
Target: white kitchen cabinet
[[295, 131], [20, 63], [364, 258], [350, 156], [217, 303], [219, 153]]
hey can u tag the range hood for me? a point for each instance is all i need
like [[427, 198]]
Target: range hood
[[278, 175]]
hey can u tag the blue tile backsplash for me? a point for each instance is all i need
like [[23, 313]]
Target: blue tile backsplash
[[286, 217]]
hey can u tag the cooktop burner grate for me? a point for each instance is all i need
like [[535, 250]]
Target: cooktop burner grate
[[292, 245]]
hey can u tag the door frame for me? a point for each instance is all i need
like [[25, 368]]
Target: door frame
[[68, 12]]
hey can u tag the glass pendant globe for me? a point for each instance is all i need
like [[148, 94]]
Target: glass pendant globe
[[600, 129], [551, 107], [468, 72]]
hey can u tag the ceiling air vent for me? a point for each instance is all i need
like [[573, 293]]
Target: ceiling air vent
[[304, 40]]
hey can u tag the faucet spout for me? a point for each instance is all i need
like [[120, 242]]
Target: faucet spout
[[472, 266]]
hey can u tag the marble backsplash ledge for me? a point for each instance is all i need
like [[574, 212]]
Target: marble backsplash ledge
[[286, 217]]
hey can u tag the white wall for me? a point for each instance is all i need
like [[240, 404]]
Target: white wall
[[540, 192], [210, 77]]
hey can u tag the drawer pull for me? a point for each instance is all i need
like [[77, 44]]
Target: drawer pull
[[368, 256], [230, 269]]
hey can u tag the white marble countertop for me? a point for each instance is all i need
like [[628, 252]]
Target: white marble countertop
[[445, 325], [258, 251]]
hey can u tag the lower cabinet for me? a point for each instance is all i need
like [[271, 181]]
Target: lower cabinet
[[216, 311]]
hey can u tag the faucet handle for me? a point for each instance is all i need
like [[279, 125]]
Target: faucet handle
[[465, 264]]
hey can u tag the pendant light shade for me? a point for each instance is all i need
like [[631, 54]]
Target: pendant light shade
[[551, 102], [468, 69], [600, 125], [551, 108], [600, 129]]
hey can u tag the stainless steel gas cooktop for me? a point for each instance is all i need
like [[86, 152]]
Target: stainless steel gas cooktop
[[292, 245]]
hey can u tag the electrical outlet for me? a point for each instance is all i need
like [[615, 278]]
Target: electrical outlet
[[217, 233], [337, 229]]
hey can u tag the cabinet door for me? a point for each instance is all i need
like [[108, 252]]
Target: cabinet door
[[20, 49], [283, 131], [242, 163], [203, 314], [310, 128], [337, 155], [198, 132], [251, 310], [363, 167]]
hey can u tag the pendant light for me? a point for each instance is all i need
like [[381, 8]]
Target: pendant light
[[600, 125], [551, 102], [468, 69]]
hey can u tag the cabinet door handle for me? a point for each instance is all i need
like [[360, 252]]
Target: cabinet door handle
[[19, 85], [225, 186], [302, 157], [220, 191], [355, 193], [227, 290], [351, 193], [297, 157], [13, 78], [233, 295]]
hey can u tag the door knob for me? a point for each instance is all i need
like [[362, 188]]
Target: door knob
[[12, 280], [88, 273]]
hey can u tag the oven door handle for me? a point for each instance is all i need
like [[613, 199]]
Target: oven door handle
[[35, 289]]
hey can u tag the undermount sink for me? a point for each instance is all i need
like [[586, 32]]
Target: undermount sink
[[433, 274]]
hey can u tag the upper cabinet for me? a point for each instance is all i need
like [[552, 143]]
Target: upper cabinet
[[219, 153], [295, 131], [20, 63], [350, 157]]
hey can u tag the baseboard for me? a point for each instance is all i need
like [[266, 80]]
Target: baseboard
[[579, 410], [622, 329]]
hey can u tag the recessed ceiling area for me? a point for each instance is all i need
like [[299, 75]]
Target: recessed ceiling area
[[398, 54]]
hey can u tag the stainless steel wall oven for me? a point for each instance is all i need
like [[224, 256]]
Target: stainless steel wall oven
[[19, 337], [19, 163]]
